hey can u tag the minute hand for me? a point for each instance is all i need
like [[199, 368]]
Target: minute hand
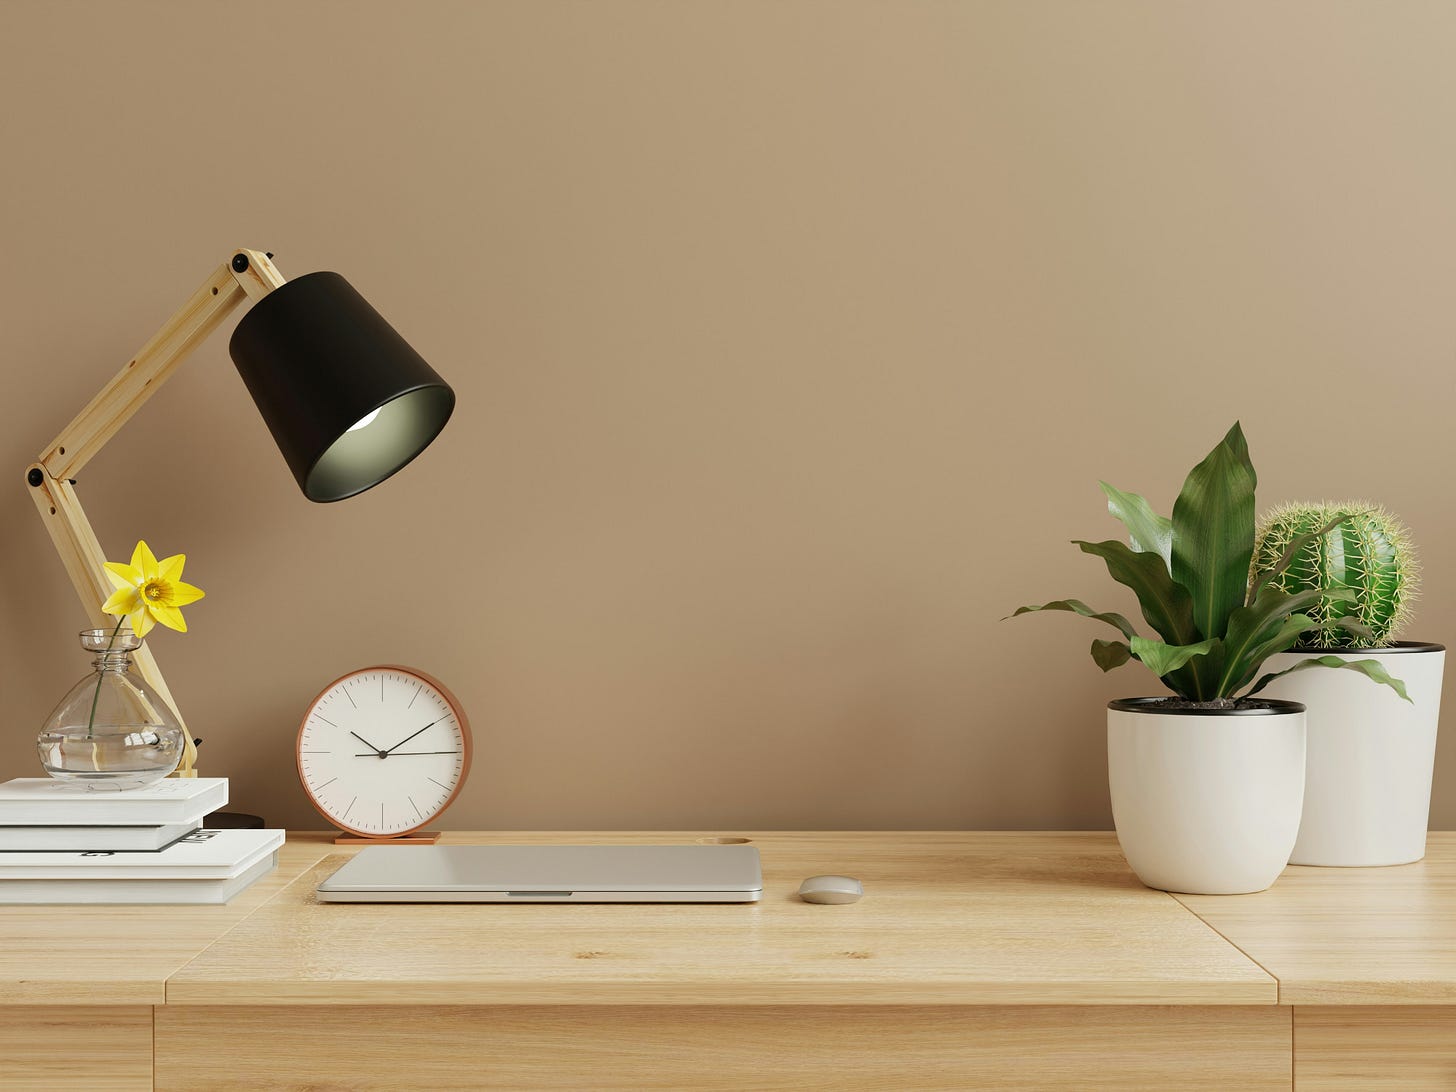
[[412, 735]]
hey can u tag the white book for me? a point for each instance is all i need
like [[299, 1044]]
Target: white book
[[83, 838], [202, 855], [44, 801], [135, 892]]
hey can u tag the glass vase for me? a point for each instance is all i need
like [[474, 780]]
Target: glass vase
[[112, 730]]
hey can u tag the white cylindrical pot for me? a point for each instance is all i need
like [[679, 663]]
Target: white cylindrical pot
[[1206, 802], [1367, 793]]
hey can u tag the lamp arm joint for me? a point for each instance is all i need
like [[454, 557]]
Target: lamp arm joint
[[255, 272]]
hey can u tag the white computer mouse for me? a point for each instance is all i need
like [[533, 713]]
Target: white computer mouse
[[831, 889]]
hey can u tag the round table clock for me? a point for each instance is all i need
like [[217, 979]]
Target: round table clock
[[382, 752]]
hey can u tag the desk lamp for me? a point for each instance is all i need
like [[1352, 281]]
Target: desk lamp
[[347, 400]]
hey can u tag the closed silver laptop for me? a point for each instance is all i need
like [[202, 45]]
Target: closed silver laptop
[[416, 873]]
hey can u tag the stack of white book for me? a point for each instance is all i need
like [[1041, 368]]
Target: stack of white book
[[62, 844]]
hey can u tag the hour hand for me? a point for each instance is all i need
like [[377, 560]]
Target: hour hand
[[366, 743]]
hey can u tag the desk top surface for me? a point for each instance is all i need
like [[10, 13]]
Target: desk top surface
[[947, 918], [119, 955], [1351, 936]]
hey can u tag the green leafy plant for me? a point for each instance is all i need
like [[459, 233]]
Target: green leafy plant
[[1355, 546], [1216, 623]]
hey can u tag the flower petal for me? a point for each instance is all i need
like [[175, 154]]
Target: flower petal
[[171, 568], [122, 576], [141, 622], [170, 617], [123, 601], [184, 593], [143, 559]]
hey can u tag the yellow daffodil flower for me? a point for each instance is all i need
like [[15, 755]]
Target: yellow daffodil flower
[[150, 591]]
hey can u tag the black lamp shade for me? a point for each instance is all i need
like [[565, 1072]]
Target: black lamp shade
[[346, 398]]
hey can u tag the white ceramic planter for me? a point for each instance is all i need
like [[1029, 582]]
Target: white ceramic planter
[[1367, 795], [1206, 802]]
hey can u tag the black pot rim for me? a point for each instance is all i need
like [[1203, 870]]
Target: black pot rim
[[1395, 647], [1142, 705]]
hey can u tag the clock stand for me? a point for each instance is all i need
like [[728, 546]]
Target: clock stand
[[413, 838]]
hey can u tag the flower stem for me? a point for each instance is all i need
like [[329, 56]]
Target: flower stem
[[96, 697]]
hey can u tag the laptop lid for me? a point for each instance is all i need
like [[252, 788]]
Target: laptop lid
[[416, 873]]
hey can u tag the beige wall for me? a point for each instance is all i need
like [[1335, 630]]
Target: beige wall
[[791, 340]]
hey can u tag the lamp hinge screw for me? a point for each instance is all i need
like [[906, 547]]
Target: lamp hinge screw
[[240, 263], [35, 477]]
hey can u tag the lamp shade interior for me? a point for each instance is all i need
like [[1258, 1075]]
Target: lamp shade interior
[[348, 401]]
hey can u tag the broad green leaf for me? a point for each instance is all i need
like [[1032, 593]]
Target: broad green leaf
[[1149, 532], [1354, 627], [1198, 678], [1298, 543], [1163, 658], [1213, 537], [1165, 603], [1372, 668], [1240, 447], [1279, 635], [1110, 654], [1257, 632], [1079, 607]]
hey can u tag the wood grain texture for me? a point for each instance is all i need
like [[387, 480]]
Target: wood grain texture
[[947, 918], [1363, 1049], [120, 955], [600, 1047], [1351, 936], [86, 1048]]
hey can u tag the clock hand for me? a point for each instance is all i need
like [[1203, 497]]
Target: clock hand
[[366, 743], [403, 753], [409, 737]]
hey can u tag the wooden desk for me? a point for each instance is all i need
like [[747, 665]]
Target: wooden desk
[[1366, 958], [974, 961]]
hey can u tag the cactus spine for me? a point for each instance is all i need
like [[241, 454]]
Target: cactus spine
[[1370, 553]]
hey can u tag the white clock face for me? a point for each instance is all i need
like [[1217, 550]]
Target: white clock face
[[382, 751]]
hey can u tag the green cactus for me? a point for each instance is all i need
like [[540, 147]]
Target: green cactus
[[1368, 552]]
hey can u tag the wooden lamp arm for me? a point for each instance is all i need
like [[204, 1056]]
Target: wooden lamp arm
[[248, 274], [157, 360]]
